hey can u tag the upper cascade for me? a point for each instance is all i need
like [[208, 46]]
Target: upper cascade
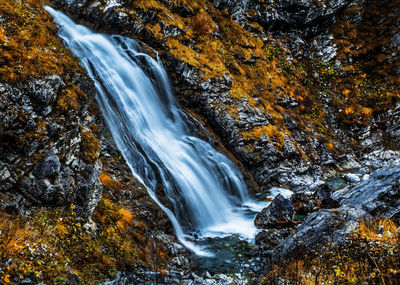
[[205, 189]]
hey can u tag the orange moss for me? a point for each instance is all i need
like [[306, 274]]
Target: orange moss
[[50, 245], [126, 218], [203, 25], [381, 230], [349, 110], [90, 147], [330, 146], [68, 101], [346, 92], [371, 70], [29, 46], [110, 183], [270, 131]]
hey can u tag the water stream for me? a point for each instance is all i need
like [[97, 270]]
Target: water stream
[[206, 191]]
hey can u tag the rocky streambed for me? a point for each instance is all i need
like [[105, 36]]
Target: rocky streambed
[[294, 223]]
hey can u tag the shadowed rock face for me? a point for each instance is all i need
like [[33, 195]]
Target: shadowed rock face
[[308, 16], [48, 166]]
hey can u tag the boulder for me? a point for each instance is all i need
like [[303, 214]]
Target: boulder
[[269, 239], [48, 166], [314, 199], [352, 178], [379, 195], [7, 177], [279, 212], [321, 229]]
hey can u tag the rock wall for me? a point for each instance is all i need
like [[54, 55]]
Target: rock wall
[[280, 82], [295, 90], [72, 200]]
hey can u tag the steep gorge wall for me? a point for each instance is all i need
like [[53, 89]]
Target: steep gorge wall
[[69, 206], [294, 88]]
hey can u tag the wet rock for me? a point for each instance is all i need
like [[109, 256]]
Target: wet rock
[[320, 229], [313, 199], [279, 213], [352, 178], [303, 203], [270, 238], [350, 164], [381, 158], [323, 197], [379, 195]]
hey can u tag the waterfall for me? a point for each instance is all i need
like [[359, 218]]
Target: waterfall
[[206, 191]]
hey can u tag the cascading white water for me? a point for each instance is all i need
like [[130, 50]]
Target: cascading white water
[[206, 190]]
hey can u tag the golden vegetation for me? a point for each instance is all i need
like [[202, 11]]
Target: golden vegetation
[[52, 246], [371, 255], [109, 182], [90, 147], [216, 45], [29, 46], [270, 131], [371, 84], [68, 101]]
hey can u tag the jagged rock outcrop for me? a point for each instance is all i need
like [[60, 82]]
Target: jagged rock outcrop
[[376, 196], [279, 213], [379, 195], [311, 17], [43, 146]]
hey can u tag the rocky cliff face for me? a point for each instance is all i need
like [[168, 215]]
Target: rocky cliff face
[[294, 88], [43, 157], [48, 152], [60, 172]]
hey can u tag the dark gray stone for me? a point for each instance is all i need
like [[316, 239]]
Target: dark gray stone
[[309, 15], [45, 91], [279, 212], [48, 166]]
